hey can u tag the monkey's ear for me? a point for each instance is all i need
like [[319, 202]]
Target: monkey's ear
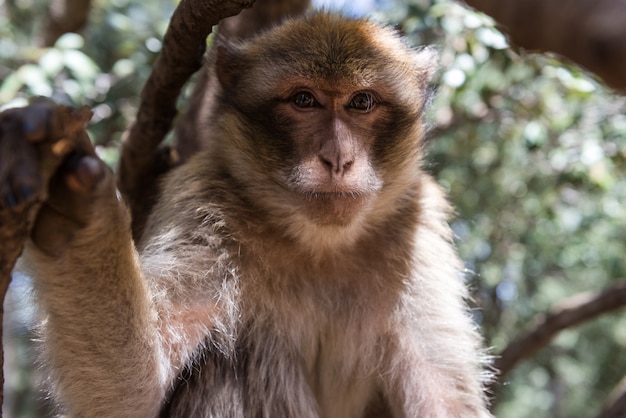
[[427, 60], [227, 63]]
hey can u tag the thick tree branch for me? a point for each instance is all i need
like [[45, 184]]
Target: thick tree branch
[[183, 48], [573, 311], [591, 33], [65, 16]]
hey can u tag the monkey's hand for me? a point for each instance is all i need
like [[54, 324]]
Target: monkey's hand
[[73, 191], [47, 159]]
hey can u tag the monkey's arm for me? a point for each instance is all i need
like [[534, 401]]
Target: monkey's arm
[[101, 346], [433, 371], [433, 367], [105, 341]]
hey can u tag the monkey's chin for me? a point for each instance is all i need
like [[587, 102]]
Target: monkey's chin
[[334, 209]]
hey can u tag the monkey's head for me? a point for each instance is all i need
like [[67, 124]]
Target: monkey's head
[[321, 119]]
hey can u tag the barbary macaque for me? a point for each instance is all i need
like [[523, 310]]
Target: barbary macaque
[[300, 266]]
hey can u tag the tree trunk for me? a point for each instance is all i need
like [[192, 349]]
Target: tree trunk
[[65, 16], [591, 33]]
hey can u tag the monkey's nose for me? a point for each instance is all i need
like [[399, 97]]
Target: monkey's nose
[[337, 166]]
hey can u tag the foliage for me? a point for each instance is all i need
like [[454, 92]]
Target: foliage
[[104, 68], [530, 149], [532, 152]]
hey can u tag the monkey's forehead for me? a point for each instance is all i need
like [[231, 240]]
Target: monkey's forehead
[[326, 46]]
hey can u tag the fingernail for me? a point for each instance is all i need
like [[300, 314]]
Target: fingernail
[[90, 171]]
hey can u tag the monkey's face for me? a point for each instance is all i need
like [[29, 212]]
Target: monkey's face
[[328, 111], [324, 134]]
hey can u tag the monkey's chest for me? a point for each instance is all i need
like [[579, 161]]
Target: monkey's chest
[[342, 374], [298, 353], [322, 348]]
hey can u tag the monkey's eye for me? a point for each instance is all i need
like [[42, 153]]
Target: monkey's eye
[[362, 101], [305, 100]]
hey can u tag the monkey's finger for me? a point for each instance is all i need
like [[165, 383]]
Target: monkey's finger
[[53, 230], [75, 187], [82, 174], [81, 144], [73, 192], [35, 121], [20, 179]]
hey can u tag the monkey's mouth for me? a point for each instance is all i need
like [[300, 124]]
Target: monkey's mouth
[[312, 195], [333, 207]]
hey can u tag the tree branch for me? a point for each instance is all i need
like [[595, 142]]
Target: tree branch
[[543, 329], [589, 32], [141, 163], [65, 16]]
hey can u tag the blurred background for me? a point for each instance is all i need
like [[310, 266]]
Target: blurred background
[[531, 150]]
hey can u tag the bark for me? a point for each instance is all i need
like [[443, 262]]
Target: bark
[[33, 142], [573, 311], [65, 16], [589, 32], [141, 161]]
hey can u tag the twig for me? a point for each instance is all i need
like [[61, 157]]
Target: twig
[[543, 329]]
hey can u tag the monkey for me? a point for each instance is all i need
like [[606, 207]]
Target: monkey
[[300, 265]]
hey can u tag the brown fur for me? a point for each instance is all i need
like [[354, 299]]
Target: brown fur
[[300, 266]]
